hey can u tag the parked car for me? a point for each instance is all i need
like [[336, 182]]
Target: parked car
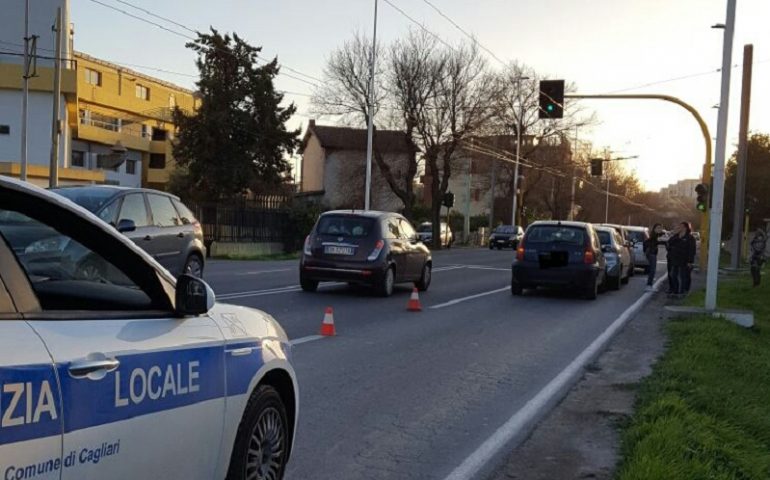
[[126, 369], [559, 254], [425, 232], [624, 234], [637, 236], [617, 256], [157, 222], [376, 249], [505, 236]]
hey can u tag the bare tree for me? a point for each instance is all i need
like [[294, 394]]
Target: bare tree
[[453, 89], [345, 94]]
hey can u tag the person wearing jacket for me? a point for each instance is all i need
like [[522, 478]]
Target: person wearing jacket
[[651, 251], [681, 253]]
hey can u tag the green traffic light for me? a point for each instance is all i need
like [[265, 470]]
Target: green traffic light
[[550, 108], [702, 207]]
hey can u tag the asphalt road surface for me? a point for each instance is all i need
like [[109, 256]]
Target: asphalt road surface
[[405, 395]]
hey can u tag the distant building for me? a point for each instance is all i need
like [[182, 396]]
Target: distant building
[[333, 170], [682, 189], [105, 108]]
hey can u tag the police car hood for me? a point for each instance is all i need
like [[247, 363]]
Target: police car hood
[[61, 202]]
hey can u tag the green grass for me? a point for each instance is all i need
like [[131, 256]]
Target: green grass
[[260, 258], [704, 413]]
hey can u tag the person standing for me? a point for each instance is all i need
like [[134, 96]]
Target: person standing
[[651, 252], [758, 247], [681, 254]]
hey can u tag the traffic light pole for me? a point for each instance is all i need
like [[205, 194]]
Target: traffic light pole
[[706, 137]]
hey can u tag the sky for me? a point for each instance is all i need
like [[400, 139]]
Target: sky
[[601, 45]]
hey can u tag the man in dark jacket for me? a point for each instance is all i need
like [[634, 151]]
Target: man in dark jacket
[[651, 251], [681, 253]]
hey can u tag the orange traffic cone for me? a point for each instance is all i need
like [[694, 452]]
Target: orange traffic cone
[[414, 302], [327, 327]]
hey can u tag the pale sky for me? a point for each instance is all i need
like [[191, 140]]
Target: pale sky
[[601, 45]]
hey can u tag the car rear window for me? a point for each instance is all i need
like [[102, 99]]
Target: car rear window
[[345, 226], [504, 229], [425, 228], [605, 237], [556, 234]]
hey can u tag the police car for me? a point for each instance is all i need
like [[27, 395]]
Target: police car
[[129, 374]]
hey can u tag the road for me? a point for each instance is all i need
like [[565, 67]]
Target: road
[[407, 395]]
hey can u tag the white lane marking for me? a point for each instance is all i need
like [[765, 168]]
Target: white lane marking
[[446, 269], [538, 405], [471, 297], [301, 340], [272, 291], [260, 272], [481, 267]]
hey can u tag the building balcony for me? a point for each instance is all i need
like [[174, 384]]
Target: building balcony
[[109, 133]]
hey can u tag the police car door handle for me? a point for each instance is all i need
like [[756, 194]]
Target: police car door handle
[[83, 369], [241, 351]]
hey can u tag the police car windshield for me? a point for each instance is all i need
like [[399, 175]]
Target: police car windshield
[[345, 226], [92, 199]]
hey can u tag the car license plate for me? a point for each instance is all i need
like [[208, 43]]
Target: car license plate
[[334, 250], [501, 241]]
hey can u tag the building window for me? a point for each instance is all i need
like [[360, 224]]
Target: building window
[[93, 77], [78, 159], [158, 160], [5, 129], [142, 92], [131, 167], [146, 131], [159, 135]]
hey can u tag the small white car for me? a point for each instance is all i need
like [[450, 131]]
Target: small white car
[[128, 374]]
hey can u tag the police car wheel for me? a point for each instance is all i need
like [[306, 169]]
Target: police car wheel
[[262, 445]]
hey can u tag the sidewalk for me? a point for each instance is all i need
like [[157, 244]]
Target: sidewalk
[[580, 438]]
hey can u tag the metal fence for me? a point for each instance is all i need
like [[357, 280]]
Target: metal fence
[[257, 220]]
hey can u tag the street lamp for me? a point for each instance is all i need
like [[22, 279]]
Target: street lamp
[[370, 125], [518, 149]]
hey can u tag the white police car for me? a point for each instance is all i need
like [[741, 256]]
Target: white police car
[[109, 369]]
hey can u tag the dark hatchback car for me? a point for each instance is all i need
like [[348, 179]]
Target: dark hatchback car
[[157, 222], [559, 254], [505, 236], [376, 249]]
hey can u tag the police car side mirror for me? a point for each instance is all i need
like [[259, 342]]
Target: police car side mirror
[[193, 296]]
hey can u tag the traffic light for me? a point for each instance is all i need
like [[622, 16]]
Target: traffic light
[[449, 200], [551, 99], [702, 191], [597, 167]]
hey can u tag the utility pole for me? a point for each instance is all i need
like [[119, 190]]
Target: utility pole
[[743, 154], [493, 163], [607, 204], [717, 208], [519, 121], [370, 126], [467, 221], [53, 173], [571, 215], [25, 94]]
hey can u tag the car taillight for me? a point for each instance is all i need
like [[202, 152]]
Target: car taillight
[[520, 251], [307, 249], [377, 250], [589, 258]]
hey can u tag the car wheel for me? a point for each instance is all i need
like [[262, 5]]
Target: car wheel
[[308, 285], [261, 448], [614, 282], [625, 280], [385, 288], [592, 292], [424, 282], [491, 247], [194, 265], [516, 289], [631, 271]]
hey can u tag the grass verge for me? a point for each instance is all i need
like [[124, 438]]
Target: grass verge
[[704, 413], [260, 258]]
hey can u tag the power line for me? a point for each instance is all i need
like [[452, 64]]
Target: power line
[[158, 16], [419, 25], [193, 39], [458, 27]]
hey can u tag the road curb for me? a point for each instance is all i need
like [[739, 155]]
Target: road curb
[[489, 455]]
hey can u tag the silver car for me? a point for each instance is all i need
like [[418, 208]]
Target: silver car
[[637, 236], [617, 255]]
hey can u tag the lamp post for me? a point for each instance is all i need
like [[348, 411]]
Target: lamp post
[[370, 126], [518, 149]]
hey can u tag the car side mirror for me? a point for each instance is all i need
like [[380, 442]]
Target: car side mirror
[[125, 226], [193, 296]]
